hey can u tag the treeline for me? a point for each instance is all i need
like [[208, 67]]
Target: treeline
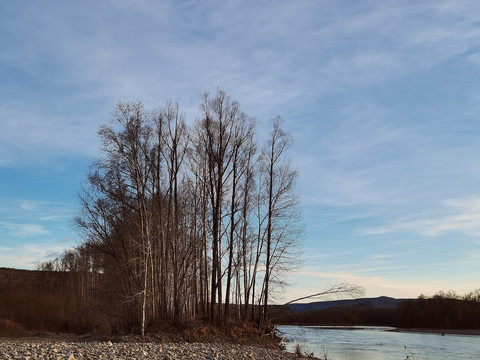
[[442, 311], [48, 301], [184, 222], [338, 316]]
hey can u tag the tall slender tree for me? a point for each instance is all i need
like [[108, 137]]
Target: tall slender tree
[[283, 228]]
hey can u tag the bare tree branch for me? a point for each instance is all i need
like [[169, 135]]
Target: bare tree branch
[[343, 289]]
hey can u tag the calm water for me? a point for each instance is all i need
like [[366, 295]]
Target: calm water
[[377, 343]]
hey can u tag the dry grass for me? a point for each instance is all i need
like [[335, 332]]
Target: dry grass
[[195, 330]]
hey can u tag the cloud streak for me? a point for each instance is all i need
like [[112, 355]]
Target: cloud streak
[[378, 285], [465, 218], [27, 256], [131, 52], [23, 230]]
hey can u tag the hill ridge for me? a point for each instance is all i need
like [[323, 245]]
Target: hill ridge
[[380, 302]]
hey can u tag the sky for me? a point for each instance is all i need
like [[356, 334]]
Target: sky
[[382, 99]]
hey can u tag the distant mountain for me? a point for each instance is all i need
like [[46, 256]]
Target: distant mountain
[[382, 302]]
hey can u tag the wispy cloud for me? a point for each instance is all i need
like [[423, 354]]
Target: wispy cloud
[[359, 154], [193, 47], [27, 205], [380, 285], [66, 240], [53, 254], [35, 210], [18, 261], [27, 136], [27, 256], [23, 230], [464, 218]]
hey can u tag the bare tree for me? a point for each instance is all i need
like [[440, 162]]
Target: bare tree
[[241, 149], [217, 134], [283, 229], [117, 196], [176, 147]]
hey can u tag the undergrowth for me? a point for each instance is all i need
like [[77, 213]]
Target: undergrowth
[[9, 328]]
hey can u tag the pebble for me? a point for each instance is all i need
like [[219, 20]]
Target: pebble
[[52, 350]]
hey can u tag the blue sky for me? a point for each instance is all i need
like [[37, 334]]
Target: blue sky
[[382, 99]]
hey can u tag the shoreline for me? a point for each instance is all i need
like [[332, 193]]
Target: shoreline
[[468, 332]]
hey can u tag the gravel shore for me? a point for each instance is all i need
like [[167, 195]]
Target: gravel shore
[[19, 349]]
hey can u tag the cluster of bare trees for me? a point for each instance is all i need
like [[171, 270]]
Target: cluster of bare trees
[[189, 221]]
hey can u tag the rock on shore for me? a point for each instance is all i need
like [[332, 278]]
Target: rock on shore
[[52, 350]]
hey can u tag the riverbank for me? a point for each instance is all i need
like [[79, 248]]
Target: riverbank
[[189, 340], [472, 332], [51, 349]]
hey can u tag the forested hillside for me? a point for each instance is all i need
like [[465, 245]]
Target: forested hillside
[[443, 311], [51, 300]]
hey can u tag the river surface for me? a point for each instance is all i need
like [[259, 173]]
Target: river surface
[[379, 343]]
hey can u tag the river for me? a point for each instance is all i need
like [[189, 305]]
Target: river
[[379, 343]]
